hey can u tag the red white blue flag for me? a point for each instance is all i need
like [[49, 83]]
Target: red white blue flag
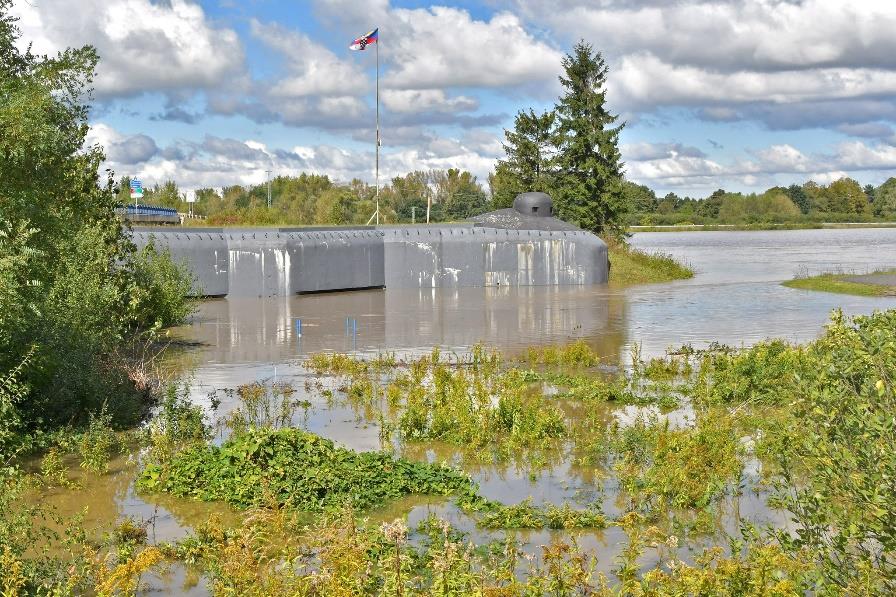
[[365, 40]]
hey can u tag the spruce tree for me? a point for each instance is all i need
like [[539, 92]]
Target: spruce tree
[[531, 156], [590, 185]]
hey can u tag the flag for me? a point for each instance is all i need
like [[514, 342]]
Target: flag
[[365, 40]]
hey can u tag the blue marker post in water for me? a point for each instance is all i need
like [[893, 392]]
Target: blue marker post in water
[[298, 328]]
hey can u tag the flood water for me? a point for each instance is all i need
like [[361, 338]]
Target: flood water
[[735, 298]]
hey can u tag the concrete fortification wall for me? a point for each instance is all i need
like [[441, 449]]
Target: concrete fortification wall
[[539, 251]]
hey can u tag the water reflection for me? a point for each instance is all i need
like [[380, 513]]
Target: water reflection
[[410, 322]]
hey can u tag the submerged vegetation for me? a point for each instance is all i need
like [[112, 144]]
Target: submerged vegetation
[[808, 428], [629, 266], [860, 285]]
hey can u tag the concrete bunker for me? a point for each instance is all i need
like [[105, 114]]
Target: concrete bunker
[[520, 246]]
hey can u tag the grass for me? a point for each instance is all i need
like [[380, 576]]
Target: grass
[[840, 284], [629, 266]]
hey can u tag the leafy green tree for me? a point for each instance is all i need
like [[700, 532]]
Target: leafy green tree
[[799, 197], [71, 296], [459, 193], [885, 199], [589, 186], [531, 149], [641, 198], [709, 207], [846, 196], [816, 194], [503, 186]]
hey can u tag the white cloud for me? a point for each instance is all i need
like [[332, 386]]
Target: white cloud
[[790, 64], [441, 47], [312, 69], [426, 100], [120, 148], [655, 165], [143, 45]]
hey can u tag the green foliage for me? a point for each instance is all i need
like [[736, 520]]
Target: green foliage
[[687, 467], [589, 187], [629, 265], [810, 204], [495, 515], [98, 444], [766, 372], [530, 148], [178, 423], [293, 467], [885, 199], [72, 293], [836, 481], [842, 284], [158, 286]]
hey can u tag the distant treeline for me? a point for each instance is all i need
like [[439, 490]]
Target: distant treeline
[[455, 195], [843, 200], [315, 199]]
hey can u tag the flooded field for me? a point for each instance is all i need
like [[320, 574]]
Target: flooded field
[[734, 299]]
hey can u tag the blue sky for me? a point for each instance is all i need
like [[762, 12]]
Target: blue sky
[[734, 94]]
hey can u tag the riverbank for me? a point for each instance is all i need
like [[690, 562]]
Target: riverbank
[[766, 226], [880, 283], [630, 266]]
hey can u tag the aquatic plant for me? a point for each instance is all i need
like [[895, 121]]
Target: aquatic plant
[[99, 443], [670, 468], [296, 468]]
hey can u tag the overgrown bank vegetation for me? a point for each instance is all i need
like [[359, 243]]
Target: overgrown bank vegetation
[[77, 301], [808, 429], [629, 266], [861, 285]]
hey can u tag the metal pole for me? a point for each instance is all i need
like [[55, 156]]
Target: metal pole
[[413, 214], [268, 172], [377, 131]]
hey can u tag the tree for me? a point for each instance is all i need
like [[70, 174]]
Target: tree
[[459, 193], [72, 290], [589, 187], [641, 198], [846, 196], [885, 199], [709, 207], [531, 153], [799, 197]]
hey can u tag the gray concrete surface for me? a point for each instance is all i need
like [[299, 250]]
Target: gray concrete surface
[[284, 261]]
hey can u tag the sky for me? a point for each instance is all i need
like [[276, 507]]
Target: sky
[[734, 94]]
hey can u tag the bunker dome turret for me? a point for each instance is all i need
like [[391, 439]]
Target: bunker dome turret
[[537, 205], [520, 246]]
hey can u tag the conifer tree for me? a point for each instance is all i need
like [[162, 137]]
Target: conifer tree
[[531, 155], [590, 185]]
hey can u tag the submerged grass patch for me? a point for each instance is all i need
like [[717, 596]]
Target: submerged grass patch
[[629, 266], [842, 284], [820, 414], [293, 467]]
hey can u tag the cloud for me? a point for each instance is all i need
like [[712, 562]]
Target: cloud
[[426, 100], [657, 166], [441, 47], [788, 64], [143, 45], [655, 151], [869, 129], [123, 149], [311, 69]]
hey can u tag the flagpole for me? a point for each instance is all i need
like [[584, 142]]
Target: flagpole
[[377, 44]]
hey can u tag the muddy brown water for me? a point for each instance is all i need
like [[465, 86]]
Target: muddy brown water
[[735, 298]]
